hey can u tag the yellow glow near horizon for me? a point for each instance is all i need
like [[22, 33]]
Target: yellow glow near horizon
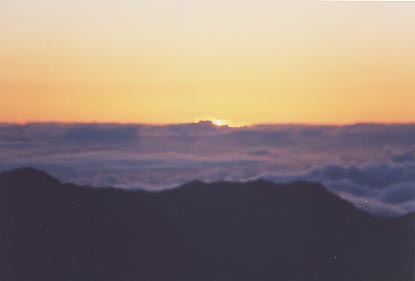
[[220, 122], [168, 61]]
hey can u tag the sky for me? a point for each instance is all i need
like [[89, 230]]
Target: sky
[[172, 61]]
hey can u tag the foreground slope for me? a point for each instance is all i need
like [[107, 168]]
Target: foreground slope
[[51, 231]]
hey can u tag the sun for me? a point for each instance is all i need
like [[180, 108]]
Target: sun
[[215, 121], [219, 122]]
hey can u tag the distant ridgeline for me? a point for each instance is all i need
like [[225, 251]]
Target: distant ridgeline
[[50, 231]]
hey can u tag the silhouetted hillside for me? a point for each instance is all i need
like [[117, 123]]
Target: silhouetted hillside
[[51, 231]]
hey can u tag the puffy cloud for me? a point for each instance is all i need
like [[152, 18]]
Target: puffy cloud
[[373, 175], [398, 193], [383, 188]]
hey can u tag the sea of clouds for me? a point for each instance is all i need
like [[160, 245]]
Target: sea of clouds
[[372, 165]]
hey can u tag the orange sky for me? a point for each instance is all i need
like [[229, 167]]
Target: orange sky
[[253, 61]]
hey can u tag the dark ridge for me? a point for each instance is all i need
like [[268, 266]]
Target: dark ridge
[[27, 175], [255, 230]]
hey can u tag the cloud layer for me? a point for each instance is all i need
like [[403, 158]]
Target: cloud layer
[[372, 165]]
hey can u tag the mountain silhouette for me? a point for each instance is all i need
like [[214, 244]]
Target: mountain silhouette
[[50, 231]]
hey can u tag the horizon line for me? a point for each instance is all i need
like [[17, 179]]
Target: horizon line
[[245, 124]]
